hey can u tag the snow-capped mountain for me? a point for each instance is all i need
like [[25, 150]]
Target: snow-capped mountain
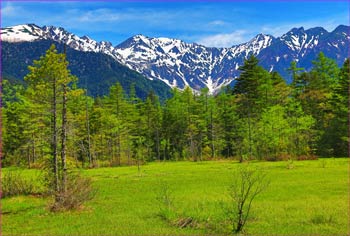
[[181, 64], [32, 32]]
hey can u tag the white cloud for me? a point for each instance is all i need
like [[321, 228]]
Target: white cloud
[[9, 10], [224, 40], [217, 23], [100, 15]]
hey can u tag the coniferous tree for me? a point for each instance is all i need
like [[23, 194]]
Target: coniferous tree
[[152, 112], [320, 85], [336, 135], [231, 134], [253, 90], [48, 80], [261, 117]]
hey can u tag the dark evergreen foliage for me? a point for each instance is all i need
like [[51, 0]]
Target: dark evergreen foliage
[[260, 118], [97, 72]]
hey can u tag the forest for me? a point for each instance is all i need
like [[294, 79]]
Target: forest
[[58, 141], [261, 117]]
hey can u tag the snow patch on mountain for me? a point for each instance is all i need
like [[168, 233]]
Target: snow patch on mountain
[[21, 33], [180, 64]]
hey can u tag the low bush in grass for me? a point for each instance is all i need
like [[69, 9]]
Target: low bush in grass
[[307, 157], [246, 184], [165, 199], [322, 219], [13, 183], [78, 190]]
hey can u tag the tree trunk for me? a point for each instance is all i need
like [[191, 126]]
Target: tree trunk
[[33, 148], [212, 134], [158, 144], [240, 222], [28, 157], [119, 148], [138, 165], [128, 154], [91, 161], [64, 138], [54, 134], [249, 133]]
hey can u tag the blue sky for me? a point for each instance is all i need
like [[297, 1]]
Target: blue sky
[[220, 24]]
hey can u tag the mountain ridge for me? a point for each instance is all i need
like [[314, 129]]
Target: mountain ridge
[[97, 72], [180, 64]]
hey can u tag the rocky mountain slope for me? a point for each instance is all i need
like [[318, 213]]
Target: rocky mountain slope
[[180, 64]]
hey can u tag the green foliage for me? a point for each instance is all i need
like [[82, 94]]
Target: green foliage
[[260, 118], [13, 183], [322, 219], [320, 96], [11, 91], [96, 72], [165, 200]]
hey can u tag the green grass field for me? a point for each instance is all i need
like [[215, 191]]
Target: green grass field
[[312, 198]]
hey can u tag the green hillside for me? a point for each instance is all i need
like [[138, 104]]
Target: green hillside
[[96, 71]]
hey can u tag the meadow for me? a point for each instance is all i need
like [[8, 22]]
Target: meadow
[[303, 198]]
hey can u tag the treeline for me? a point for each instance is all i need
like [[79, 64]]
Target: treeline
[[261, 117]]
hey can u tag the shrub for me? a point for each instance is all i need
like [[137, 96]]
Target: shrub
[[306, 157], [322, 219], [13, 184], [246, 184], [165, 201], [290, 164], [78, 190]]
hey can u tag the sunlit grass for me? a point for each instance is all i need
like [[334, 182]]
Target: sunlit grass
[[310, 198]]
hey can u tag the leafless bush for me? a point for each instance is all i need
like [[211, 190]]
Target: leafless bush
[[247, 183], [78, 190]]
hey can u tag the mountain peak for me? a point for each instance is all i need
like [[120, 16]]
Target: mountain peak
[[262, 37], [294, 31], [140, 37], [342, 29], [180, 64], [317, 31], [32, 25], [87, 38], [21, 33], [298, 29], [53, 28]]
